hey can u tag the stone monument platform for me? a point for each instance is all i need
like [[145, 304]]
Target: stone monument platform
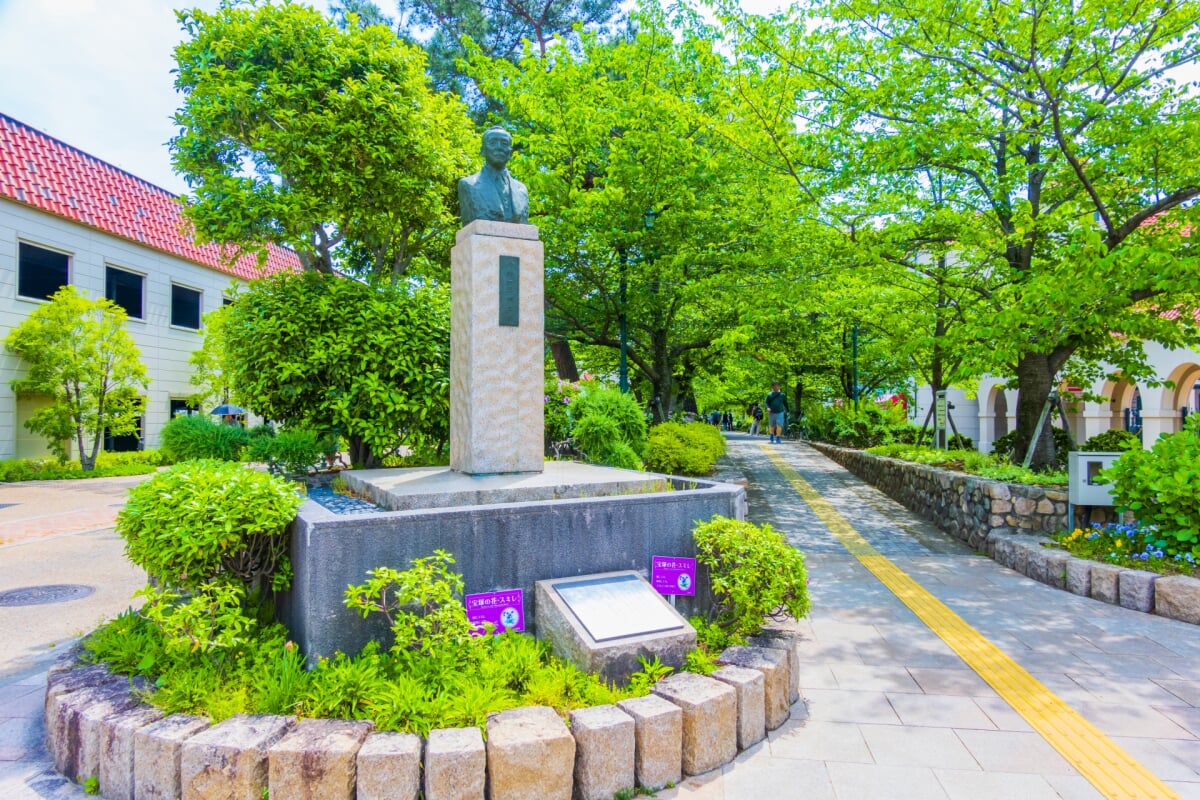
[[442, 487], [521, 531]]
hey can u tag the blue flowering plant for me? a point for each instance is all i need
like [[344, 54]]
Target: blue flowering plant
[[1129, 544]]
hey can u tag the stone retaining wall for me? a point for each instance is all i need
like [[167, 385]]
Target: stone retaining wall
[[1007, 521], [96, 727], [967, 507]]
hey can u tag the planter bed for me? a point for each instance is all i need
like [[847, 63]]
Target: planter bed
[[97, 727]]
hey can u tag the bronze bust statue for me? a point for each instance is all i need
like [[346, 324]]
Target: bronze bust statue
[[493, 193]]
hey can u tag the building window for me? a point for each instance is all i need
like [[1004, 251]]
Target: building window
[[124, 444], [225, 301], [125, 289], [185, 307], [180, 408], [41, 272]]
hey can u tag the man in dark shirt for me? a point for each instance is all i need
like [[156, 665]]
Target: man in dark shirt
[[777, 409]]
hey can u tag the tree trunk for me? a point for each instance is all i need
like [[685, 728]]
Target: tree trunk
[[663, 379], [361, 455], [1035, 379], [564, 360], [87, 460]]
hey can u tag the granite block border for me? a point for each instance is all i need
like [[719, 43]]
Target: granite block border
[[257, 752], [1008, 521]]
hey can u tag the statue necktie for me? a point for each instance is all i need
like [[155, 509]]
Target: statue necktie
[[506, 203]]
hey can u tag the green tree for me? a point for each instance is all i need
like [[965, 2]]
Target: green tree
[[301, 134], [646, 212], [210, 367], [1072, 152], [79, 354], [336, 356]]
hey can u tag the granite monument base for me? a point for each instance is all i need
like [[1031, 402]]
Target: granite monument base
[[496, 546], [496, 349]]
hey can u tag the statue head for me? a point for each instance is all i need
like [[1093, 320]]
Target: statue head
[[497, 147]]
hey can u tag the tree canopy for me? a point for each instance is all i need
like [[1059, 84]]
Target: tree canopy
[[336, 356], [1071, 153], [327, 141]]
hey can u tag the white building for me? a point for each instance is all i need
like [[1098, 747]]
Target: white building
[[1152, 412], [69, 218]]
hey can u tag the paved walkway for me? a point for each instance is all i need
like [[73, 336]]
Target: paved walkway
[[888, 709]]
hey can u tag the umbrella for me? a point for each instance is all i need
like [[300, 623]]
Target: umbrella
[[228, 410]]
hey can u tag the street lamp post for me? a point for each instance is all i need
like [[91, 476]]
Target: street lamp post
[[854, 365], [623, 368]]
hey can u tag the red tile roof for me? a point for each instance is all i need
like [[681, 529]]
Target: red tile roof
[[44, 173]]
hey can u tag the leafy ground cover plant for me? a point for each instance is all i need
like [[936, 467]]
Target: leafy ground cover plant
[[436, 674], [1005, 446], [684, 448], [139, 462], [754, 574], [292, 453], [1129, 544], [870, 424], [990, 466], [1161, 487]]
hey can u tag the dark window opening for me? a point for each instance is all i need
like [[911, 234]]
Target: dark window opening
[[180, 408], [185, 307], [126, 443], [41, 272], [124, 289]]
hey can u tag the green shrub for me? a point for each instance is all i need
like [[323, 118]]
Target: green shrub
[[198, 436], [1113, 440], [1004, 445], [1161, 486], [608, 427], [292, 453], [754, 573], [960, 442], [868, 425], [684, 448], [212, 536]]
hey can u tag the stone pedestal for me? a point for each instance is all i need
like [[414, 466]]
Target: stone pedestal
[[496, 349]]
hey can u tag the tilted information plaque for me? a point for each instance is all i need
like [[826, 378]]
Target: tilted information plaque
[[617, 606]]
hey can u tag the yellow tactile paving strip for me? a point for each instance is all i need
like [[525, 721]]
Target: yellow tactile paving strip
[[1113, 772]]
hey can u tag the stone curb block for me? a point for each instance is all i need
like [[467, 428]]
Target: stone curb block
[[230, 758], [751, 708], [389, 767], [157, 753], [1079, 577], [1135, 589], [116, 750], [1178, 597], [91, 728], [658, 739], [604, 752], [773, 666], [455, 764], [782, 636], [1104, 582], [709, 719], [317, 759], [530, 755]]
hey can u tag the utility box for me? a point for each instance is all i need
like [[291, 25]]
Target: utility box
[[1082, 471]]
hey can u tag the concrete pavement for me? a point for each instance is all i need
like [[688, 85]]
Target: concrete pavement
[[888, 709]]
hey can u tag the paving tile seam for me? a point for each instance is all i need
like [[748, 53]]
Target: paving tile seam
[[1106, 765]]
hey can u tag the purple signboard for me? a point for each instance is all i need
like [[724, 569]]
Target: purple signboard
[[673, 575], [504, 609]]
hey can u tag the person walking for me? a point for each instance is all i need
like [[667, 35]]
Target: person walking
[[755, 413], [777, 409]]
